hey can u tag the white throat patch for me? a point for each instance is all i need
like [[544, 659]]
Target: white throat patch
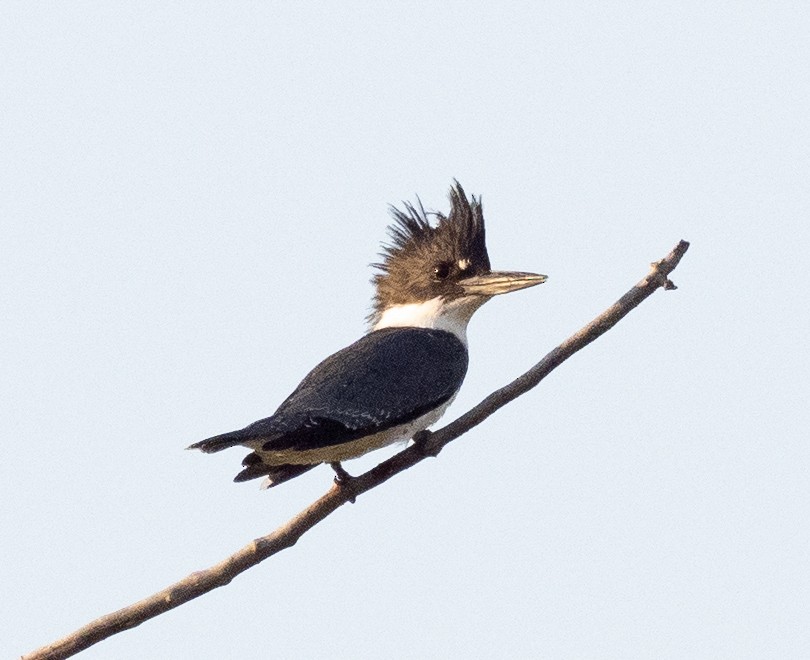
[[436, 313]]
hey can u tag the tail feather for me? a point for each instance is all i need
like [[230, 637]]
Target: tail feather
[[276, 474], [254, 466], [219, 442]]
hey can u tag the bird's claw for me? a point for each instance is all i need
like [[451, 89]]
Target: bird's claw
[[344, 480], [421, 442]]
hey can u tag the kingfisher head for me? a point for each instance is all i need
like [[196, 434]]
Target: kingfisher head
[[435, 271]]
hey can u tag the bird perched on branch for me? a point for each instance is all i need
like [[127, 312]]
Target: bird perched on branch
[[400, 377]]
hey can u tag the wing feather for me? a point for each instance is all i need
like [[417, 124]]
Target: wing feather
[[389, 377]]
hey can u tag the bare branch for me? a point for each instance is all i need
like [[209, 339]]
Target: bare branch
[[426, 444]]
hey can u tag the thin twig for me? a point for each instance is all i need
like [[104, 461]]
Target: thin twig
[[427, 444]]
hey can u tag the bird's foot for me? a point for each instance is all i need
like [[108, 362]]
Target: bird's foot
[[422, 442], [344, 480]]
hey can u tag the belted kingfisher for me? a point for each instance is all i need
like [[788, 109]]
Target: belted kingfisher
[[401, 376]]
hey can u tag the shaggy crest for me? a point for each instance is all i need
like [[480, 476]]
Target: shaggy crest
[[424, 258]]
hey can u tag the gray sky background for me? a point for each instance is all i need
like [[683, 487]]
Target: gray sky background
[[190, 196]]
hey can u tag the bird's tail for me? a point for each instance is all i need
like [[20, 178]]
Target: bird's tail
[[219, 442], [276, 474]]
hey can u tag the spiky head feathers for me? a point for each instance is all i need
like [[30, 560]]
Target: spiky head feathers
[[425, 260]]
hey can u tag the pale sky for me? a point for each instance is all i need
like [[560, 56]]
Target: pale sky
[[191, 194]]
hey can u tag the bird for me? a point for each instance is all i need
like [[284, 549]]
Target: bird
[[400, 377]]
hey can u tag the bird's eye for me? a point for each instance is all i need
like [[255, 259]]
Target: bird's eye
[[441, 271]]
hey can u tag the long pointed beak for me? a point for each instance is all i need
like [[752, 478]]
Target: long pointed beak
[[497, 282]]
